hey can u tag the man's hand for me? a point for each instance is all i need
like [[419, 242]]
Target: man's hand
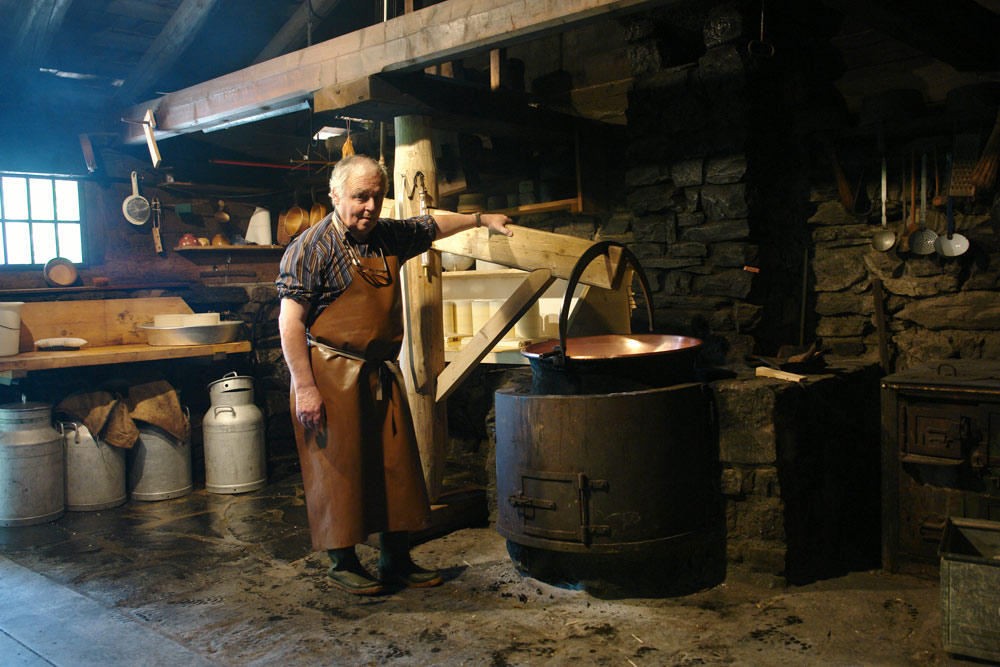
[[497, 222], [309, 408]]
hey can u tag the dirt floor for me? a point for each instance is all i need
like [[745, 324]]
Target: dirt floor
[[231, 580]]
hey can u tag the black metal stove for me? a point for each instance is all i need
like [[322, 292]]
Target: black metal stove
[[940, 456]]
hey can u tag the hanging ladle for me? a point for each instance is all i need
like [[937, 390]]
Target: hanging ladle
[[922, 240], [951, 244], [885, 238]]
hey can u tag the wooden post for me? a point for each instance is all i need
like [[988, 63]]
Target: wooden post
[[423, 348], [499, 73]]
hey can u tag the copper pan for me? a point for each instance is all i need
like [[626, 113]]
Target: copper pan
[[610, 362]]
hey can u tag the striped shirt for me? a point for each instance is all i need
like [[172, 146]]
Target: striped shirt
[[315, 271]]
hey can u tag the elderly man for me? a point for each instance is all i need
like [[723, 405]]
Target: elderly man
[[341, 329]]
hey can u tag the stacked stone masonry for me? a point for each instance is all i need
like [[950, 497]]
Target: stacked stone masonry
[[935, 307]]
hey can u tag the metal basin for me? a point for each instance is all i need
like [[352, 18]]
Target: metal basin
[[610, 362]]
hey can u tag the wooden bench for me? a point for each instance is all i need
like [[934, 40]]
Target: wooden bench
[[111, 329]]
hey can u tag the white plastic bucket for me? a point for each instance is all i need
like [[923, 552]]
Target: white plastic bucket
[[10, 327], [259, 227]]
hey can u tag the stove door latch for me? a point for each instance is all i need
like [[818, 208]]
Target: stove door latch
[[521, 500]]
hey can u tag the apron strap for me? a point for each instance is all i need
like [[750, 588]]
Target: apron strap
[[388, 369]]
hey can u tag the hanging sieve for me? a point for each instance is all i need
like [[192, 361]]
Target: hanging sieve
[[136, 207]]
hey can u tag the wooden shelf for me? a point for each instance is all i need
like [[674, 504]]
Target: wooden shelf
[[95, 288], [112, 328], [568, 205], [230, 248], [19, 365]]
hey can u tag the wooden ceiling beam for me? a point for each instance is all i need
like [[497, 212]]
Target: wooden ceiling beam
[[456, 105], [42, 21], [169, 45], [293, 33], [426, 37], [960, 33]]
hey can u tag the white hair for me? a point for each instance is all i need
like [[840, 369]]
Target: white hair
[[356, 165]]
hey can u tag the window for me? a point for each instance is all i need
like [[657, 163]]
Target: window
[[40, 218]]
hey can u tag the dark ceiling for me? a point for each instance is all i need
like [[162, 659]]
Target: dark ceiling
[[72, 66]]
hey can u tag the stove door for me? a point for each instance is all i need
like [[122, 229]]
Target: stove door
[[549, 505], [936, 431]]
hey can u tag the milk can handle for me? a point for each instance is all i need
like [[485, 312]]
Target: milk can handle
[[65, 426], [224, 407], [230, 374], [601, 248]]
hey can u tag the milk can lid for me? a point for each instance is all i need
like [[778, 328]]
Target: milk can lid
[[25, 406]]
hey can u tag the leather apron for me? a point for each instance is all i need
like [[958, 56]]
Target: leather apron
[[362, 472]]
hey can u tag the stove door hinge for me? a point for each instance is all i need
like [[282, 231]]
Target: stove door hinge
[[979, 457]]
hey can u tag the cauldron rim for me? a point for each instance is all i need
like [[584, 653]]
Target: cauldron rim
[[596, 347]]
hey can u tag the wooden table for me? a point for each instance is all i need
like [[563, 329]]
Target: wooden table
[[19, 365], [111, 329]]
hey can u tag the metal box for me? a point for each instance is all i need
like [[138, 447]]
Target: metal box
[[970, 588]]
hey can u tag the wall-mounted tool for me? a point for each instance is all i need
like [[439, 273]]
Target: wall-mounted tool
[[136, 207], [424, 203], [157, 215]]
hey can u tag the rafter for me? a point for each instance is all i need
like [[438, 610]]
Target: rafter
[[169, 45], [293, 33], [41, 23]]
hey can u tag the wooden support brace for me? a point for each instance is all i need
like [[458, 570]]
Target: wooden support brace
[[148, 125], [533, 286], [531, 249]]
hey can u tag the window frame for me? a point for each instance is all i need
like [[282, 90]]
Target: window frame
[[83, 222]]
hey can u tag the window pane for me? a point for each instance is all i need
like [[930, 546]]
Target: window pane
[[69, 242], [3, 258], [67, 202], [44, 239], [41, 199], [15, 197], [18, 243]]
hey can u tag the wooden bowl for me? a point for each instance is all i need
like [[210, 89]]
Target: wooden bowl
[[296, 221], [60, 272], [316, 213]]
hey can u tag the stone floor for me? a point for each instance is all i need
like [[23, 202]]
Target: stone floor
[[231, 580]]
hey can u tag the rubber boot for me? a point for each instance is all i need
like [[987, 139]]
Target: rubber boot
[[347, 573], [395, 565]]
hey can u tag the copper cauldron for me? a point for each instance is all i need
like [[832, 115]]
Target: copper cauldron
[[611, 362]]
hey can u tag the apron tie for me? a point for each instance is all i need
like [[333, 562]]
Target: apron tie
[[388, 369]]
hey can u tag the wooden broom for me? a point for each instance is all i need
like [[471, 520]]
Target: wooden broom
[[984, 175]]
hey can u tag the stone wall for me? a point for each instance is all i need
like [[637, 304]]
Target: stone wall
[[800, 474], [686, 179], [936, 307]]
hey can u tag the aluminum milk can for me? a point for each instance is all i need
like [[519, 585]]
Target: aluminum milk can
[[159, 466], [233, 429], [31, 465], [95, 471]]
